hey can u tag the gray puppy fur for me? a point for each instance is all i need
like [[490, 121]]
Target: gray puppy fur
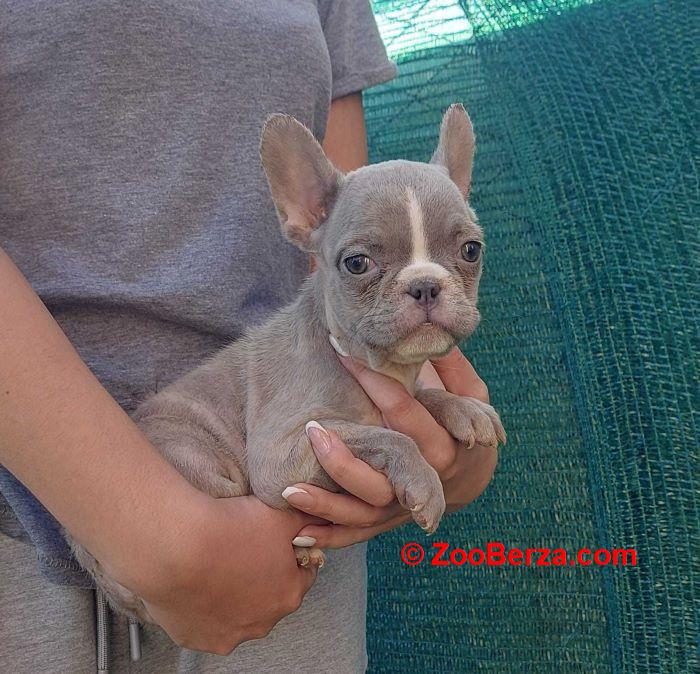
[[398, 254]]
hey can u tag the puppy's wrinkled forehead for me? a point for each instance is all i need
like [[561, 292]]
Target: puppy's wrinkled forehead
[[408, 213]]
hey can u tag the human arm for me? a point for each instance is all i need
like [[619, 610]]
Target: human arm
[[214, 572], [345, 142]]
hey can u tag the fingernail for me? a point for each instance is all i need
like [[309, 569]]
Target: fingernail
[[319, 437], [297, 497], [304, 541], [336, 345], [292, 490]]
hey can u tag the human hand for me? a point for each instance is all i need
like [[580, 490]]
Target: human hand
[[232, 577], [369, 507]]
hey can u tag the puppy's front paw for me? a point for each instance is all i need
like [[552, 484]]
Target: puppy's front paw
[[421, 492], [416, 483], [308, 557], [468, 420]]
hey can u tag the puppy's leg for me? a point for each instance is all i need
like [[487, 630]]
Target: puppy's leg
[[194, 448], [417, 485], [468, 420]]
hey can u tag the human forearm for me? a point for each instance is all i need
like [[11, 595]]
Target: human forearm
[[70, 443], [345, 142]]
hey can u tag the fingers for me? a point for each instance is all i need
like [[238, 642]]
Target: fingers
[[337, 508], [351, 473], [403, 413], [459, 376], [340, 536]]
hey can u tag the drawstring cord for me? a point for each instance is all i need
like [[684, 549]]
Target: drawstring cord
[[102, 637], [102, 625], [134, 640]]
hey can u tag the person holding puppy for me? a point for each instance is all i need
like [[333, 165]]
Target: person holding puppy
[[139, 238]]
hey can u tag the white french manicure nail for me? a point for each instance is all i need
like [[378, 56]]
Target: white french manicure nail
[[304, 541], [322, 444], [313, 424], [336, 345], [292, 490]]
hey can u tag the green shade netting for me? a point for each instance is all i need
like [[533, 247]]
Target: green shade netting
[[586, 185]]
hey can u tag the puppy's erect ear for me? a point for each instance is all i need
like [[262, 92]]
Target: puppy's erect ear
[[455, 151], [302, 181]]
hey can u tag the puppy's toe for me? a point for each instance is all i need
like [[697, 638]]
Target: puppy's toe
[[316, 557], [428, 518], [461, 429], [426, 501], [308, 557], [498, 426], [303, 556], [485, 421], [484, 432]]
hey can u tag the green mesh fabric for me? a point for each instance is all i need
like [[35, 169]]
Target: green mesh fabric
[[586, 185]]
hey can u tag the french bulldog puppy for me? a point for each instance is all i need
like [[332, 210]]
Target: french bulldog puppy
[[398, 254]]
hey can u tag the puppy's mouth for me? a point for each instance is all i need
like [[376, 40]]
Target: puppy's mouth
[[427, 340], [433, 334], [430, 327], [434, 323], [411, 336]]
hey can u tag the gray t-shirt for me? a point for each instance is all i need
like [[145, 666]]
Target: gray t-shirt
[[132, 196]]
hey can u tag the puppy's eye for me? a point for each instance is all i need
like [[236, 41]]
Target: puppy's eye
[[357, 264], [471, 251]]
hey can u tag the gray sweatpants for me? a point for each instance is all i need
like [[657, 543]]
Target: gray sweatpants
[[50, 629]]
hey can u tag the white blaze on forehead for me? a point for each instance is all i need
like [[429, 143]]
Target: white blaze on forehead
[[415, 219], [420, 264]]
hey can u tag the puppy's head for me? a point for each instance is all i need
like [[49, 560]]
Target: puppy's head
[[397, 245]]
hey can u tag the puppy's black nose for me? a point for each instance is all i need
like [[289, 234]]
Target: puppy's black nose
[[425, 293]]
